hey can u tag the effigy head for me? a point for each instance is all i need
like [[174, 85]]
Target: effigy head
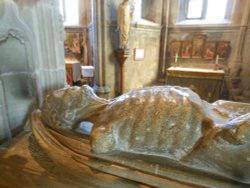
[[68, 106]]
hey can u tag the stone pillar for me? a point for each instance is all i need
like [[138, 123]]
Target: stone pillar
[[164, 42], [100, 87], [86, 21], [45, 21], [5, 131], [50, 52], [235, 65]]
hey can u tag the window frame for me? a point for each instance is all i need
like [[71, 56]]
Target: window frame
[[183, 10], [203, 12], [149, 14], [65, 12]]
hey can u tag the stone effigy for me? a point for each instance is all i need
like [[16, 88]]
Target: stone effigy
[[165, 121]]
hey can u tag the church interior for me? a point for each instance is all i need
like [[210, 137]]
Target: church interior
[[118, 48]]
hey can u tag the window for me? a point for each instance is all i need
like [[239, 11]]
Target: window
[[195, 9], [137, 5], [204, 11], [146, 11], [70, 12], [216, 9]]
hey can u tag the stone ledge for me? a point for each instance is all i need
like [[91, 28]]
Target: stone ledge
[[246, 93], [241, 98]]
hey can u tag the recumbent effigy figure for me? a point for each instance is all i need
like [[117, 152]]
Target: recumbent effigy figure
[[166, 121]]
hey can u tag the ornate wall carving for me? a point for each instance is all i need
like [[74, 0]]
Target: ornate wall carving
[[19, 79], [32, 58]]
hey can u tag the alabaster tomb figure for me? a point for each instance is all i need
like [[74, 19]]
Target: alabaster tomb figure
[[164, 121]]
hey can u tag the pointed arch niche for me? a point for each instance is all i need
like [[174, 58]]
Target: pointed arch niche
[[19, 86]]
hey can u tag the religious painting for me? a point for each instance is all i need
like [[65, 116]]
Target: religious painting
[[209, 50], [73, 44], [223, 49], [175, 48], [186, 50], [198, 45]]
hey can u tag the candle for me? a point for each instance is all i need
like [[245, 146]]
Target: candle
[[217, 60], [176, 57]]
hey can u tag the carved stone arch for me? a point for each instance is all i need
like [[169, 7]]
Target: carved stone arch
[[20, 88], [12, 25]]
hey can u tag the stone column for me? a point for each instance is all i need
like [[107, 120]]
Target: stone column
[[99, 60], [235, 65], [164, 42], [43, 18], [86, 21], [5, 131]]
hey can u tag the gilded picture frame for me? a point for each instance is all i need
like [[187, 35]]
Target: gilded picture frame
[[223, 49], [186, 50], [210, 50], [72, 43], [198, 46], [175, 48]]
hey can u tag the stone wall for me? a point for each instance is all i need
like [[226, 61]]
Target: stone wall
[[156, 38], [144, 34], [237, 32]]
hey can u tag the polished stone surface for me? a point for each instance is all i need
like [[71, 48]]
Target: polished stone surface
[[26, 164], [166, 122]]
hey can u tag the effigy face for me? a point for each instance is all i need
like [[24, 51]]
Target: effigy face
[[169, 122]]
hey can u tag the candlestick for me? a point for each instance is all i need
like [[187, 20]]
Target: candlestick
[[217, 60], [176, 57]]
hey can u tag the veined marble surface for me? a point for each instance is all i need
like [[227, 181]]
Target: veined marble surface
[[170, 123]]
